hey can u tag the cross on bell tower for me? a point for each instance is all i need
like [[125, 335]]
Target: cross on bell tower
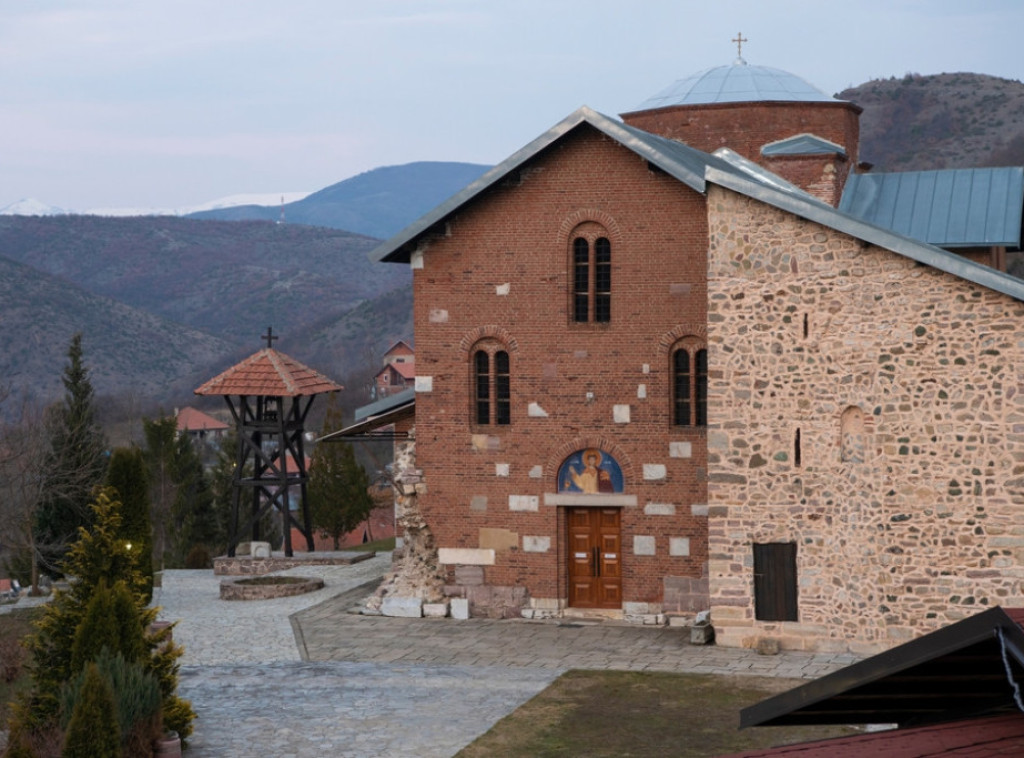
[[270, 336], [739, 39]]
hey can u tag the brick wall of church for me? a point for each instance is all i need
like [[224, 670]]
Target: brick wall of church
[[501, 276], [905, 504], [747, 127]]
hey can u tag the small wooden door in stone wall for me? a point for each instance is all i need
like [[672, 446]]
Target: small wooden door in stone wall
[[595, 557]]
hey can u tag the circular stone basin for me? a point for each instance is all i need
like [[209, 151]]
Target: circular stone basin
[[267, 587]]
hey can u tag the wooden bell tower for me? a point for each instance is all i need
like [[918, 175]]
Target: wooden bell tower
[[269, 395]]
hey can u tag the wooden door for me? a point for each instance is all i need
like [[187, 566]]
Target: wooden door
[[595, 557]]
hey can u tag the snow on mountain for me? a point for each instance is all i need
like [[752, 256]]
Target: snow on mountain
[[30, 207]]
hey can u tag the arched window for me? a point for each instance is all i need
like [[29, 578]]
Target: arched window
[[492, 386], [853, 435], [690, 385], [592, 280]]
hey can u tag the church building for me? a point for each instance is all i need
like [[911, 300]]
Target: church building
[[695, 358]]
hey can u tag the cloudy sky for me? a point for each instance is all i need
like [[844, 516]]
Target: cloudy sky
[[154, 103]]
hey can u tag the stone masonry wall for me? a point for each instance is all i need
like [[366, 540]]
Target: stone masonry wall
[[501, 274], [905, 387]]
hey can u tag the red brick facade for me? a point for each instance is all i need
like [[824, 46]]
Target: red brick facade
[[746, 128], [502, 277]]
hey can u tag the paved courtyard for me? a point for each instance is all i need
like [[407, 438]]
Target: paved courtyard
[[303, 676]]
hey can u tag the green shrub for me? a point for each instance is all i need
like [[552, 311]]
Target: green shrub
[[137, 700], [92, 731]]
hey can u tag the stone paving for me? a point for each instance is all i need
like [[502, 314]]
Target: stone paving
[[302, 676]]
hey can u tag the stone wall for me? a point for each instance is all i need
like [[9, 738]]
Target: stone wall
[[868, 409]]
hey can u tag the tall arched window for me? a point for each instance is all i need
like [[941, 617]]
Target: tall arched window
[[592, 280], [690, 385], [492, 386]]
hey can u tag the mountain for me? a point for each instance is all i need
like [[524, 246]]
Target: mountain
[[377, 203], [917, 123], [131, 353], [31, 207], [163, 302]]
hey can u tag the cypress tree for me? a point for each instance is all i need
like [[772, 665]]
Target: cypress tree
[[128, 474], [74, 464]]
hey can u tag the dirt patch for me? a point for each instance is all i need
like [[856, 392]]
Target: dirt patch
[[621, 713]]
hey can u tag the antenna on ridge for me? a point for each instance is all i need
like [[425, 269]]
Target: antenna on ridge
[[281, 220]]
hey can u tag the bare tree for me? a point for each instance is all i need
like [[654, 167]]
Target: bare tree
[[24, 484]]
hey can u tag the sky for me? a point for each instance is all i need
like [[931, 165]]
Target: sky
[[161, 104]]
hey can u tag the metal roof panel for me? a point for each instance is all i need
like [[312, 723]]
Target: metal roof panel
[[950, 208]]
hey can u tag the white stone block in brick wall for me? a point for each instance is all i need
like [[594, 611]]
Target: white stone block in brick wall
[[640, 609], [460, 608], [416, 259], [523, 503], [438, 316], [660, 509], [402, 607], [641, 391], [646, 368], [643, 545], [478, 503], [620, 414], [536, 544], [680, 450], [654, 472], [465, 556], [678, 545], [533, 410], [424, 384], [537, 472], [503, 289], [699, 509], [435, 610], [501, 469]]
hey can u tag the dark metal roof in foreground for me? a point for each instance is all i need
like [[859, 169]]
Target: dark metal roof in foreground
[[970, 207], [970, 669]]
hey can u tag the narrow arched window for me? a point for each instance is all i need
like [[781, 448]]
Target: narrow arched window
[[592, 280], [492, 387], [690, 386]]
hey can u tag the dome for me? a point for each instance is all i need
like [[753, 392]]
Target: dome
[[736, 83]]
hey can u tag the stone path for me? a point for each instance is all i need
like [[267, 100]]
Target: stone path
[[302, 677]]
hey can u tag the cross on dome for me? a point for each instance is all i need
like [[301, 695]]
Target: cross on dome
[[739, 39]]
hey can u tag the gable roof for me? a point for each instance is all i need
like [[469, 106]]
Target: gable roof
[[971, 207], [824, 214], [677, 159], [194, 420], [269, 373], [803, 144], [972, 668]]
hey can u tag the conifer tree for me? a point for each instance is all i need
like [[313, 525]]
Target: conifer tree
[[338, 488], [93, 731], [100, 556], [128, 474], [75, 462]]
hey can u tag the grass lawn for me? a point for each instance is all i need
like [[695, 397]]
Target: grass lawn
[[624, 713], [380, 546]]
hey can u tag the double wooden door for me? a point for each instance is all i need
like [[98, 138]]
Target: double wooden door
[[595, 557]]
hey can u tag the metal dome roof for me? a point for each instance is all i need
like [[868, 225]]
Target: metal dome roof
[[736, 83]]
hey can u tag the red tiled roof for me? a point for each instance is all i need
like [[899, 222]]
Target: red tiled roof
[[994, 736], [407, 370], [269, 373], [192, 420]]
